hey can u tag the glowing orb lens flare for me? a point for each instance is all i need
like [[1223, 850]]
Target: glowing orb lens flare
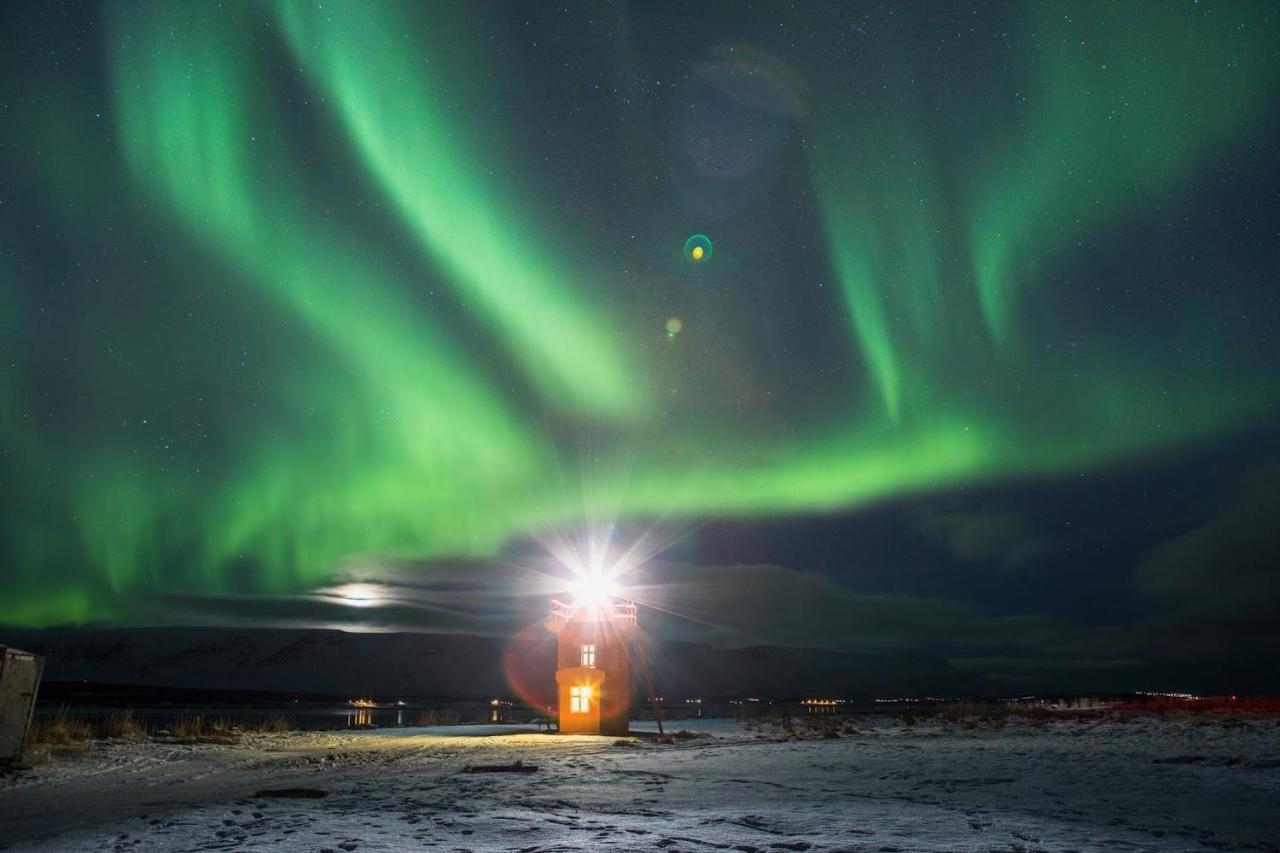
[[698, 248], [674, 325]]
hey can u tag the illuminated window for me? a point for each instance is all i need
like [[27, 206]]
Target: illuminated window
[[579, 700], [589, 655]]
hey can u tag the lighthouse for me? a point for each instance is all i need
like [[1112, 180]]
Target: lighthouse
[[593, 665]]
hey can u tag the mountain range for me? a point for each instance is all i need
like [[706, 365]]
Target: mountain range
[[456, 666]]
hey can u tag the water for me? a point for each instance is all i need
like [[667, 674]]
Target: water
[[322, 716], [305, 716]]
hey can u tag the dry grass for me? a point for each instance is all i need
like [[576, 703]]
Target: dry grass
[[828, 725], [967, 715], [199, 729], [1249, 706], [973, 714], [806, 725], [61, 729], [271, 723], [669, 738], [123, 725], [65, 729]]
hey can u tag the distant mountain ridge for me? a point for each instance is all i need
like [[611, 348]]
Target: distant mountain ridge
[[455, 666]]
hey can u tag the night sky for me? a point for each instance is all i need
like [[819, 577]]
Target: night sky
[[980, 359]]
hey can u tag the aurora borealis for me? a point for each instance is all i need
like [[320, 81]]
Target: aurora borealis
[[284, 284]]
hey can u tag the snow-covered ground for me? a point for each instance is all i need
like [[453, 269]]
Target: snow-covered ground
[[1150, 784]]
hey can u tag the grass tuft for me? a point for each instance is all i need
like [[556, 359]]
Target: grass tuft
[[61, 729], [199, 729], [122, 725], [271, 723]]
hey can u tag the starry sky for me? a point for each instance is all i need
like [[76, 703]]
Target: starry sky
[[980, 359]]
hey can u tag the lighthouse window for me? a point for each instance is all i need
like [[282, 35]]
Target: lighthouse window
[[579, 700], [589, 655]]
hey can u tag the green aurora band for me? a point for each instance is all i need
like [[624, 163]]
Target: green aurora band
[[343, 320]]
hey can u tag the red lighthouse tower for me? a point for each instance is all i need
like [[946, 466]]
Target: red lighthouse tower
[[593, 667]]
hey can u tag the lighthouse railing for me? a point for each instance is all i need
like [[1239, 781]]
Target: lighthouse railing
[[623, 611], [561, 612], [614, 611]]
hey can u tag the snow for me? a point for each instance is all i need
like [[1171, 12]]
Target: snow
[[1094, 784]]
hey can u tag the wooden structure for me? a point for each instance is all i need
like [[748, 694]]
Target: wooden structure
[[593, 666], [19, 680]]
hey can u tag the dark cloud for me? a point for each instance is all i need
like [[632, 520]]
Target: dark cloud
[[1216, 587], [484, 597], [724, 605], [776, 604], [1208, 594], [1002, 537], [728, 605]]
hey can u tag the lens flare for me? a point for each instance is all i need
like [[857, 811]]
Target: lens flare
[[528, 661], [698, 248]]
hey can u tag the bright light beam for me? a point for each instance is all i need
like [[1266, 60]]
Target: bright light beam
[[594, 590]]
